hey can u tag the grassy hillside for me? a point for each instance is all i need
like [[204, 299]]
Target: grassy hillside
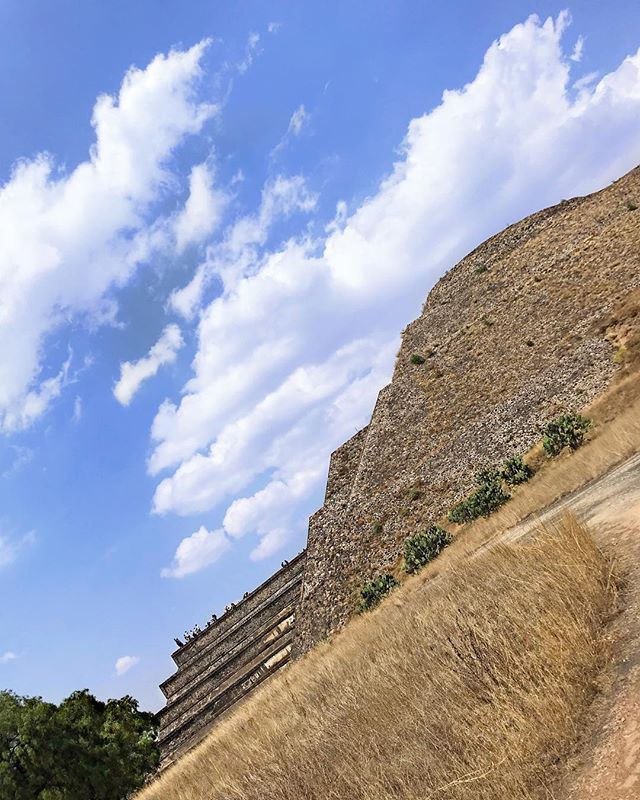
[[469, 686], [467, 682]]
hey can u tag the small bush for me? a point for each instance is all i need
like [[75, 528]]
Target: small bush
[[631, 206], [515, 471], [481, 503], [377, 528], [416, 358], [487, 497], [375, 591], [480, 269], [423, 547], [567, 430], [413, 493], [487, 476]]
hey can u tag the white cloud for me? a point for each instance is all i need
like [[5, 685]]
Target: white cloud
[[578, 50], [230, 259], [298, 120], [11, 548], [125, 663], [23, 456], [196, 552], [250, 52], [202, 211], [292, 353], [274, 27], [77, 409], [5, 658], [133, 374], [67, 240]]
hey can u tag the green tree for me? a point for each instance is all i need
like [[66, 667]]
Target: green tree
[[83, 749]]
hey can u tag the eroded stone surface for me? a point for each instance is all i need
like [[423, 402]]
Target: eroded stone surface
[[511, 336]]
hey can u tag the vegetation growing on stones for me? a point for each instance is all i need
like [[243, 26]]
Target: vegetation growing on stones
[[375, 590], [631, 206], [424, 546], [515, 471], [417, 359], [483, 502], [489, 495], [567, 430]]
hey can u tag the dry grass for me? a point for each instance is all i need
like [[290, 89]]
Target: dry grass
[[470, 686]]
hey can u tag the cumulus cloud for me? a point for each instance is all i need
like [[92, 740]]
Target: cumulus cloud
[[134, 374], [8, 656], [197, 551], [202, 211], [68, 239], [125, 663], [292, 353], [229, 259]]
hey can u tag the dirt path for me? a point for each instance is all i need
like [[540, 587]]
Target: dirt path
[[605, 499], [607, 763]]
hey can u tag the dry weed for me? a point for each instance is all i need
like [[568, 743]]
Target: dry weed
[[470, 686]]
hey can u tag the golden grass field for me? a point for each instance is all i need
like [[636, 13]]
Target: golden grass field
[[469, 686]]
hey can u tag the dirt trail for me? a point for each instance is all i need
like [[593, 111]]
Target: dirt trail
[[602, 500], [607, 763]]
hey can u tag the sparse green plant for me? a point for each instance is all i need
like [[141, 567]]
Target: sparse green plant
[[417, 359], [515, 471], [488, 475], [487, 321], [374, 591], [413, 493], [487, 497], [567, 430], [620, 354], [481, 268], [631, 206], [424, 546], [377, 528]]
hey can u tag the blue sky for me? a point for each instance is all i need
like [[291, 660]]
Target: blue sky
[[203, 288]]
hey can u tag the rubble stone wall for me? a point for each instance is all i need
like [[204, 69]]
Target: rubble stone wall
[[510, 337]]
